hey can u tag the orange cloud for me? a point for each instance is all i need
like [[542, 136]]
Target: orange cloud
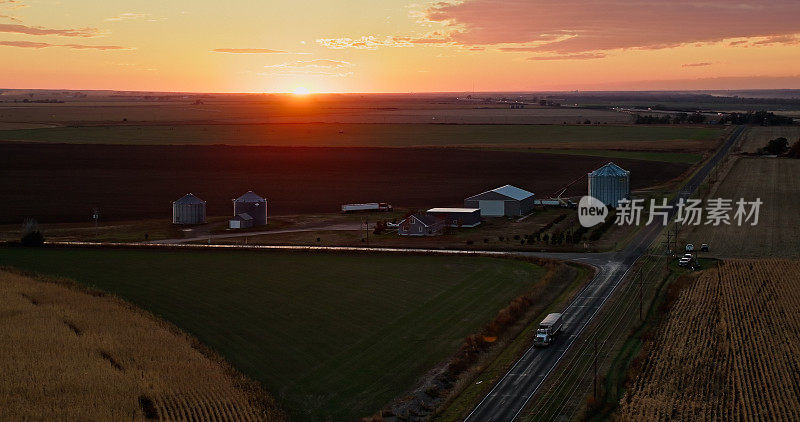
[[37, 30], [701, 64], [576, 56], [248, 51], [31, 44], [366, 42]]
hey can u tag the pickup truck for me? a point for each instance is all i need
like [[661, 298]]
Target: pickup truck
[[548, 328]]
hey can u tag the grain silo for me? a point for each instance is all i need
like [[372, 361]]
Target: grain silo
[[609, 184], [251, 204], [189, 210]]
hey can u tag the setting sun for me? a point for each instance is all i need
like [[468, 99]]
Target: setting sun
[[301, 91]]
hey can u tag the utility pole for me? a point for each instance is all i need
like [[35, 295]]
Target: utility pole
[[641, 294], [96, 218]]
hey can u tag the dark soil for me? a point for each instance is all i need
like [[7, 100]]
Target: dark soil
[[63, 183]]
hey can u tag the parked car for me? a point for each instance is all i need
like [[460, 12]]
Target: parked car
[[684, 262], [704, 247], [688, 256], [689, 247]]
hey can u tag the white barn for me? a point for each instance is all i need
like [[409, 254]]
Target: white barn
[[509, 201]]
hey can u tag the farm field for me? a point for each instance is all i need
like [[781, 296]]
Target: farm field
[[727, 351], [777, 234], [72, 355], [363, 135], [329, 108], [756, 137], [63, 183], [331, 336], [669, 157]]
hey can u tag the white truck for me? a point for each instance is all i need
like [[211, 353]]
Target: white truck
[[370, 206], [548, 328]]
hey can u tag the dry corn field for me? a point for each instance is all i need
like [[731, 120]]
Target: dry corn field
[[71, 355], [777, 234], [756, 137], [729, 350]]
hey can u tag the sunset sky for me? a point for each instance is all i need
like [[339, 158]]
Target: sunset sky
[[399, 46]]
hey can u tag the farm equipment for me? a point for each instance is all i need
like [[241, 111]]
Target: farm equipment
[[370, 206], [548, 328], [556, 200]]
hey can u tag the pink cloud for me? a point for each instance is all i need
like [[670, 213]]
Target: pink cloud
[[778, 39], [577, 26]]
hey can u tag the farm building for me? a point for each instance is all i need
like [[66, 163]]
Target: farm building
[[253, 205], [420, 225], [509, 201], [241, 221], [189, 210], [457, 217], [610, 183]]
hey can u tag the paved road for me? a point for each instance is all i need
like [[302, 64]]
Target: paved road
[[346, 226], [510, 395]]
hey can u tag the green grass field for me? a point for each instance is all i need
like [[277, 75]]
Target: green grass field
[[358, 135], [331, 336]]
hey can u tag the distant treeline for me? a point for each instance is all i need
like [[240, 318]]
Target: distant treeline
[[764, 118], [666, 97], [667, 119]]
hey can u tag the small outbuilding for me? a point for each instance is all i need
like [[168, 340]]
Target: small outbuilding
[[457, 217], [241, 221], [253, 205], [610, 184], [189, 210], [509, 201], [421, 225]]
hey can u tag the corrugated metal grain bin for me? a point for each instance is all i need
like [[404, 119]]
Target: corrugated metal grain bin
[[251, 204], [189, 210], [610, 184]]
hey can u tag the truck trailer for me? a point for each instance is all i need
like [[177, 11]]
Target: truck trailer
[[548, 328], [370, 206]]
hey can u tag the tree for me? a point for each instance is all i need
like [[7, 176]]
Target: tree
[[31, 235], [776, 146], [794, 151]]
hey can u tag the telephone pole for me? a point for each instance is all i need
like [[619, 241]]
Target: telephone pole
[[641, 295]]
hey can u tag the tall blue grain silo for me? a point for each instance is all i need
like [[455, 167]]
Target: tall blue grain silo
[[610, 184]]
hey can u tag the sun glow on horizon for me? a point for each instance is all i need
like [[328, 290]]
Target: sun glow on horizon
[[300, 90]]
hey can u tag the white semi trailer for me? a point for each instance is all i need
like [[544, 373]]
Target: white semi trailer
[[371, 206], [548, 328]]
